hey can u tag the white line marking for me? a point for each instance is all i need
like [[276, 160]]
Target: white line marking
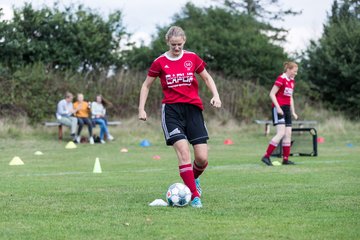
[[210, 168]]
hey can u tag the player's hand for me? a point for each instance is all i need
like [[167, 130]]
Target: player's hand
[[142, 115], [215, 102], [280, 111], [295, 116]]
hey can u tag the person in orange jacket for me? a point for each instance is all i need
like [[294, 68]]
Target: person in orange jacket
[[82, 112]]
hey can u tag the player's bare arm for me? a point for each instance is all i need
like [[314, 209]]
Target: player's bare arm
[[144, 92], [209, 81], [293, 108], [272, 95]]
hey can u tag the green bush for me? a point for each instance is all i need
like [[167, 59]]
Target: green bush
[[33, 91]]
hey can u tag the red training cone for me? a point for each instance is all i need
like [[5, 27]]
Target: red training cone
[[228, 142]]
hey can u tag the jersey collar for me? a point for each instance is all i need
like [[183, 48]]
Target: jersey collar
[[174, 59], [286, 77]]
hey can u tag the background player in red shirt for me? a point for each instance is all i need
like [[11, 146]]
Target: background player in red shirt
[[281, 95], [182, 119]]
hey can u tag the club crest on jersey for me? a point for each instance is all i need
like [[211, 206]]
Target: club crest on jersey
[[288, 92], [188, 64]]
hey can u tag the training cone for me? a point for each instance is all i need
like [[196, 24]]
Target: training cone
[[38, 153], [16, 161], [276, 163], [156, 157], [228, 142], [70, 145], [124, 150], [145, 143], [97, 167]]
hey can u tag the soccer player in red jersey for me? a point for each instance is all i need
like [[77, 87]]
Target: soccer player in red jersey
[[181, 116], [281, 95]]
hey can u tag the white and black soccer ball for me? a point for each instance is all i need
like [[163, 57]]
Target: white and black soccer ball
[[178, 195]]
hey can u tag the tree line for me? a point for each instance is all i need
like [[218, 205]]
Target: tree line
[[49, 50]]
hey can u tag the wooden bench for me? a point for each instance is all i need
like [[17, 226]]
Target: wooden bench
[[60, 126], [300, 124]]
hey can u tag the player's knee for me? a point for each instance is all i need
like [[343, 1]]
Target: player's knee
[[182, 150], [201, 160], [201, 157]]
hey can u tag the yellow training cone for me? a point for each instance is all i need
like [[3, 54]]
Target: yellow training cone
[[97, 167], [38, 153], [70, 145], [276, 163], [16, 161]]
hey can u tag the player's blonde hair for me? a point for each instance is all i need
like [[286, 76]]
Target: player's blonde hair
[[175, 31], [289, 65]]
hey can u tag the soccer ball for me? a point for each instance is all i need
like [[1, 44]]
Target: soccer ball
[[178, 195]]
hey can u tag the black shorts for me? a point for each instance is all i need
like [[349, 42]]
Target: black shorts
[[183, 121], [282, 119]]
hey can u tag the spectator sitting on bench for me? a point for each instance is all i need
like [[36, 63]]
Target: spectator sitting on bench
[[82, 112], [64, 114], [98, 112]]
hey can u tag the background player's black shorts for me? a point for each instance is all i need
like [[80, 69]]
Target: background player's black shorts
[[282, 119], [183, 121]]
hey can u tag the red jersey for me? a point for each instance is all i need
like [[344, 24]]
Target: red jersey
[[286, 89], [177, 76]]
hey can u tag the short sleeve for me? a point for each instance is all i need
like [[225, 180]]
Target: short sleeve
[[199, 64], [155, 69], [279, 82]]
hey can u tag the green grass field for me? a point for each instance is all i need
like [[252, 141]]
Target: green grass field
[[56, 196]]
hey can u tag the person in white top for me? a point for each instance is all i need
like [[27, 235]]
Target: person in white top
[[65, 114], [98, 112]]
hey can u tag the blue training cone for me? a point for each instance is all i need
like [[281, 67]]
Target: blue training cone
[[145, 143]]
